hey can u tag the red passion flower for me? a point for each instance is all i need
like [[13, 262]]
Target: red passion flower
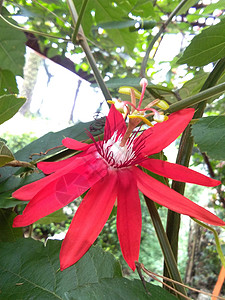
[[112, 173]]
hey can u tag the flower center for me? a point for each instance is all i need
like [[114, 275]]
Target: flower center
[[115, 155]]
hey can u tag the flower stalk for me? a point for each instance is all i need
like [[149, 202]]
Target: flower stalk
[[165, 246]]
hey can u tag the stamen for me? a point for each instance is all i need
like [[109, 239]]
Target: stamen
[[162, 104], [145, 120], [127, 91]]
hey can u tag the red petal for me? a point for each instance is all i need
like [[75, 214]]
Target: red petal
[[50, 167], [27, 192], [75, 145], [61, 191], [162, 134], [114, 122], [167, 197], [128, 217], [178, 172], [89, 220]]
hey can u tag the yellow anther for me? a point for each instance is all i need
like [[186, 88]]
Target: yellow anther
[[162, 104], [111, 101], [126, 90], [145, 120]]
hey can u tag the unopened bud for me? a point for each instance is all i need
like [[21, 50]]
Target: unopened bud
[[143, 82]]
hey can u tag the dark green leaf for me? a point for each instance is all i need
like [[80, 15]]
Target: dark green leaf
[[5, 154], [12, 48], [56, 217], [9, 105], [8, 83], [7, 232], [46, 142], [6, 200], [54, 139], [31, 271], [209, 134], [206, 47]]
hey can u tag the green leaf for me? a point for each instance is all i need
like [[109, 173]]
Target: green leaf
[[209, 135], [193, 86], [206, 47], [186, 6], [5, 154], [7, 232], [8, 83], [56, 217], [213, 6], [31, 271], [12, 48], [9, 105]]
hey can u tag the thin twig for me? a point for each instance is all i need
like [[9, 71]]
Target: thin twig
[[154, 275], [17, 163], [155, 38], [79, 19]]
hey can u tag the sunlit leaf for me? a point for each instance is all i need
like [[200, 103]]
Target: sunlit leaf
[[12, 48], [9, 105], [8, 83], [206, 47], [5, 154]]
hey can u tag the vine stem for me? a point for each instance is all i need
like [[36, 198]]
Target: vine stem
[[165, 246], [201, 96], [82, 41], [184, 154], [78, 23], [155, 38], [33, 31], [218, 246]]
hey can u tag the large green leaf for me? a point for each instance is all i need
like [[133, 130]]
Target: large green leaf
[[206, 47], [12, 48], [54, 139], [31, 271], [8, 83], [9, 105], [7, 232], [209, 134]]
